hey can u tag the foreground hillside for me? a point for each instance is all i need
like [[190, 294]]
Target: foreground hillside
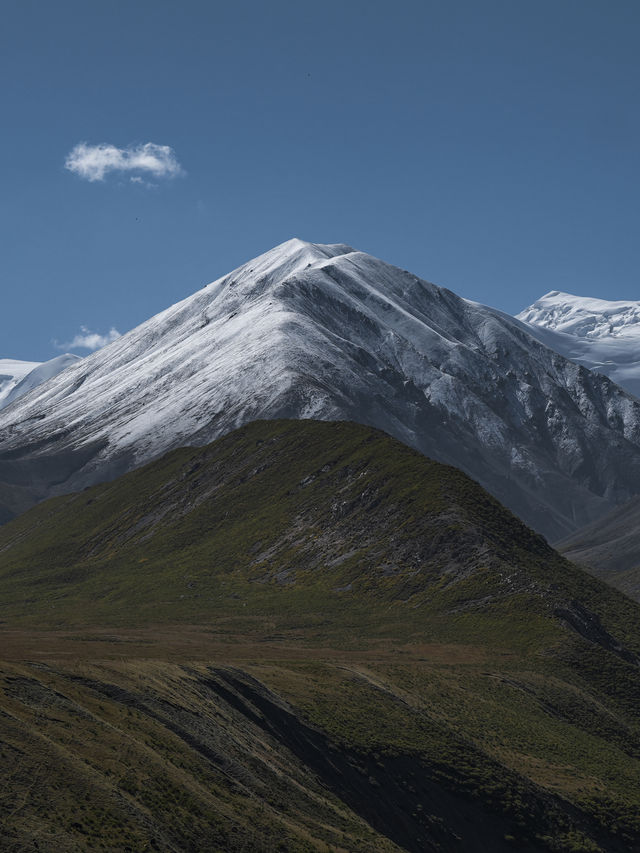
[[307, 636]]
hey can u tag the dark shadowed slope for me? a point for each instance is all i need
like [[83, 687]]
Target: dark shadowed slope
[[610, 547]]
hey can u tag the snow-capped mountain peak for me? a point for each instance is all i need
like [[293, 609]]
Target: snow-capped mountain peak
[[19, 377], [584, 317], [283, 261], [601, 334], [13, 371]]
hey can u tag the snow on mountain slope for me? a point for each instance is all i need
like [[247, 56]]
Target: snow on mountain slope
[[11, 373], [602, 335], [314, 331], [19, 377], [39, 373]]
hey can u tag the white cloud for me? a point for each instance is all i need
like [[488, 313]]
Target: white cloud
[[94, 162], [90, 340]]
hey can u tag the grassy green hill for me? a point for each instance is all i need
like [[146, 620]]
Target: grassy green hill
[[307, 636]]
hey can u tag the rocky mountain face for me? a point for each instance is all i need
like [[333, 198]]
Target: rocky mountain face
[[598, 333], [323, 331]]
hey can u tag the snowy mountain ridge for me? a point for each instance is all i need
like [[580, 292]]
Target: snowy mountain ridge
[[19, 377], [324, 331], [601, 334], [13, 371]]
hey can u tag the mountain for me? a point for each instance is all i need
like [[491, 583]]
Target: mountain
[[598, 333], [11, 372], [323, 331], [610, 547], [19, 377], [308, 636]]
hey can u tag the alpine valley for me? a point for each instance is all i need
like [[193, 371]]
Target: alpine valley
[[323, 331]]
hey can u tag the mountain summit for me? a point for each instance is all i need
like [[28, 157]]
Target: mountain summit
[[598, 333], [324, 331]]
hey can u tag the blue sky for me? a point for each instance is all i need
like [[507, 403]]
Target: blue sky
[[490, 146]]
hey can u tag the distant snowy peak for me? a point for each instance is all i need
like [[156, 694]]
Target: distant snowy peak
[[19, 377], [583, 316], [12, 372], [600, 334]]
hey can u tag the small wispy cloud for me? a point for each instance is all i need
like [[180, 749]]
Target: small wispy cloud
[[87, 339], [95, 162]]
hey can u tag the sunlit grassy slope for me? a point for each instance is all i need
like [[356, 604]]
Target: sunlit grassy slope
[[307, 636]]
